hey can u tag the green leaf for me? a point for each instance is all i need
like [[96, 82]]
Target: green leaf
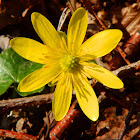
[[29, 93], [92, 61], [13, 68]]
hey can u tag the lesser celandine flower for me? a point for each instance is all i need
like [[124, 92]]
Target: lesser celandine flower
[[67, 63]]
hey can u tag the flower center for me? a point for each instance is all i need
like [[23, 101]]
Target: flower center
[[68, 62]]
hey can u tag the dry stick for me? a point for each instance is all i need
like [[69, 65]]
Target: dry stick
[[131, 47], [47, 122], [41, 131], [72, 5], [135, 65], [7, 105], [88, 5], [65, 123], [63, 17], [118, 101], [127, 121], [123, 55], [16, 135]]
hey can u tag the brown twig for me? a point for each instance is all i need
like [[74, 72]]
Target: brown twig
[[115, 99], [128, 52], [16, 135], [116, 61], [132, 46], [135, 65], [7, 105], [88, 5], [41, 131], [66, 123], [63, 17], [123, 55], [72, 5], [127, 121]]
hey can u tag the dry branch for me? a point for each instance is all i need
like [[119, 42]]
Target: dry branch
[[16, 135], [7, 105], [88, 5], [135, 65]]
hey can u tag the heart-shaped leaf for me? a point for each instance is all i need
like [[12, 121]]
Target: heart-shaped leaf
[[13, 68]]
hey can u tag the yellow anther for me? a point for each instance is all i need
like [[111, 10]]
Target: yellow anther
[[68, 62]]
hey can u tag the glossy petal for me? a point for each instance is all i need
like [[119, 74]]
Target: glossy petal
[[46, 30], [100, 44], [62, 97], [64, 40], [86, 96], [29, 49], [102, 75], [77, 29], [38, 78]]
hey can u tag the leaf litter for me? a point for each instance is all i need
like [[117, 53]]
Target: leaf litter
[[116, 121]]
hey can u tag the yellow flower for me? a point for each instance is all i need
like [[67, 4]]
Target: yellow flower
[[66, 62]]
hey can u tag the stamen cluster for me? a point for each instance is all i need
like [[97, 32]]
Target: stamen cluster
[[68, 62]]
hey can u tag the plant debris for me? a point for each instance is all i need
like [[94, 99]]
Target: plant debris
[[31, 118]]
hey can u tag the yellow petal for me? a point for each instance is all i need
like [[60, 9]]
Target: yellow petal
[[60, 76], [46, 30], [86, 96], [64, 40], [29, 49], [100, 44], [102, 75], [62, 97], [38, 78], [77, 29]]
